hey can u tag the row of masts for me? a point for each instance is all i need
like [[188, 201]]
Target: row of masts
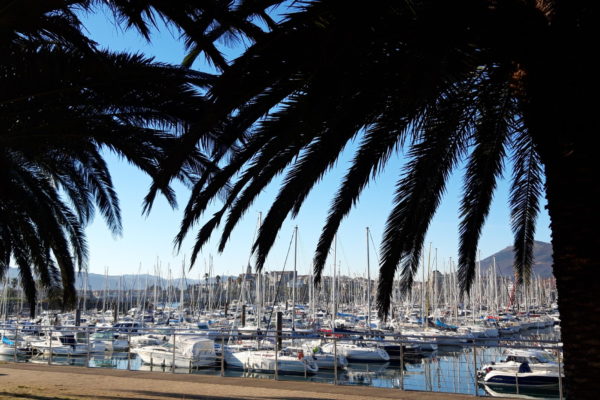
[[491, 293]]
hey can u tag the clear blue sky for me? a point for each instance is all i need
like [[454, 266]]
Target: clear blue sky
[[148, 239]]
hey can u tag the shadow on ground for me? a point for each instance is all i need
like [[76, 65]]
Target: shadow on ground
[[31, 396], [189, 396], [140, 395]]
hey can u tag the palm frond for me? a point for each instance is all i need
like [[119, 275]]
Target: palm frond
[[318, 157], [484, 167], [444, 130], [525, 192], [62, 103], [376, 146]]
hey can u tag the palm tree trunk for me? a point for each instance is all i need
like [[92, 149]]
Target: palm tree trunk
[[573, 193], [562, 121], [573, 199]]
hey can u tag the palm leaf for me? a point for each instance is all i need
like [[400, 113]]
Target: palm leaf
[[526, 189], [485, 165], [444, 130]]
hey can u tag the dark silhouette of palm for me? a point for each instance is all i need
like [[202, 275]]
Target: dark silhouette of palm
[[63, 103], [491, 84], [474, 81], [445, 98], [200, 23]]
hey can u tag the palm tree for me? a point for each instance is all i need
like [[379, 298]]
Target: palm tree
[[63, 103], [200, 23], [477, 81]]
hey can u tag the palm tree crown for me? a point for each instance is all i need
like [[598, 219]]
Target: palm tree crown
[[410, 74], [63, 103]]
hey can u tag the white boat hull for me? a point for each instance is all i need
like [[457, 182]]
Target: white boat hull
[[264, 361], [164, 358]]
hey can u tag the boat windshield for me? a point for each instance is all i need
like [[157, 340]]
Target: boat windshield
[[67, 339], [545, 357], [538, 358]]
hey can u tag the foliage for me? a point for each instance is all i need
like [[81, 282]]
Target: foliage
[[440, 79], [63, 103]]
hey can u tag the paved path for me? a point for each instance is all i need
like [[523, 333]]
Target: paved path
[[42, 382]]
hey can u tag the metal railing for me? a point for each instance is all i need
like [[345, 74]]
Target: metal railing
[[454, 370]]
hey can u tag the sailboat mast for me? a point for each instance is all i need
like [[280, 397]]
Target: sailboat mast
[[155, 288], [257, 299], [368, 285], [258, 284], [105, 290], [181, 288], [210, 286], [311, 295], [428, 289], [495, 284], [333, 302], [295, 274], [85, 283]]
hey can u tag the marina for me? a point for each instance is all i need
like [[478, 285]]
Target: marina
[[459, 368], [503, 339]]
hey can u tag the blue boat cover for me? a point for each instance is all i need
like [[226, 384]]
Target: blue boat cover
[[7, 341], [443, 325]]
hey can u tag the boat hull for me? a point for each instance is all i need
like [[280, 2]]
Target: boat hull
[[265, 362], [166, 359], [533, 379]]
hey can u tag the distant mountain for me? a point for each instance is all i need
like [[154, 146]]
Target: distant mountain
[[542, 264], [99, 281]]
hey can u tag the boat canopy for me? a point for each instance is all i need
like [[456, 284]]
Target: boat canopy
[[194, 346]]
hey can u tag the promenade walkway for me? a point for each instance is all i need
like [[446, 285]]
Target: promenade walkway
[[42, 382]]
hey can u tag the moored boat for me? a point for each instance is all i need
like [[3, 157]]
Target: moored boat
[[358, 352], [523, 377], [267, 361], [188, 353]]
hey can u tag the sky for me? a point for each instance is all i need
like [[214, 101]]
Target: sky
[[147, 242]]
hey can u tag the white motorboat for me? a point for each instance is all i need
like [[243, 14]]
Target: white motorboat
[[147, 340], [111, 341], [266, 361], [449, 338], [65, 344], [479, 331], [524, 377], [426, 340], [191, 352], [538, 360], [326, 360], [358, 352], [522, 393]]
